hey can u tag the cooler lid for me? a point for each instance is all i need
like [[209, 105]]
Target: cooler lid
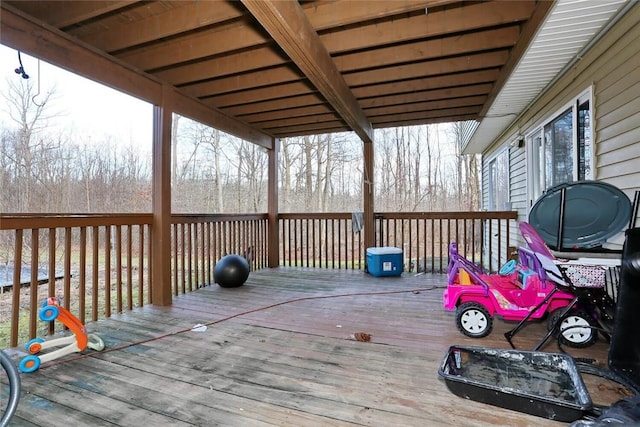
[[384, 250], [594, 211]]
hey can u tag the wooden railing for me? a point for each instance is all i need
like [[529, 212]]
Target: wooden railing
[[200, 240], [482, 237], [331, 241], [323, 240], [100, 264]]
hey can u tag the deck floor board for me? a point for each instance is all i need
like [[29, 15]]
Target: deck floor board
[[279, 350]]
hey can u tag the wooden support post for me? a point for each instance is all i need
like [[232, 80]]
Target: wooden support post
[[368, 196], [273, 234], [161, 204]]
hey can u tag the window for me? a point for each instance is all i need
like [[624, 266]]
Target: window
[[560, 150], [499, 182]]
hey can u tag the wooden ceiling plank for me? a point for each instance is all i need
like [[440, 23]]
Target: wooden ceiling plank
[[63, 13], [269, 77], [224, 66], [426, 121], [408, 86], [435, 94], [453, 20], [419, 51], [432, 67], [303, 132], [290, 28], [214, 41], [331, 14], [285, 113], [427, 105], [278, 104], [189, 16], [318, 127], [294, 121], [261, 94], [418, 115]]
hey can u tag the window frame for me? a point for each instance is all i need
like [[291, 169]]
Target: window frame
[[535, 154]]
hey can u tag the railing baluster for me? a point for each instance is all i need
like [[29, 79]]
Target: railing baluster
[[33, 287], [15, 297], [107, 271], [83, 275], [119, 268], [52, 270], [67, 266], [129, 268], [189, 243], [174, 261], [183, 264], [140, 265], [149, 258], [313, 241]]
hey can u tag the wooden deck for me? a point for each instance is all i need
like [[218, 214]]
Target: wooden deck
[[278, 351]]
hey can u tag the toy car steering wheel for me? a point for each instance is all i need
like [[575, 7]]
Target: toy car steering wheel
[[508, 268]]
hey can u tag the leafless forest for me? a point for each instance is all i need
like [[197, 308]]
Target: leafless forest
[[416, 168]]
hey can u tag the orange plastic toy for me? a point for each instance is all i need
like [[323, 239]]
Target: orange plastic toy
[[79, 341]]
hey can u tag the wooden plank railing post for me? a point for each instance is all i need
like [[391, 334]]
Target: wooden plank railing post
[[161, 203], [368, 196], [272, 208]]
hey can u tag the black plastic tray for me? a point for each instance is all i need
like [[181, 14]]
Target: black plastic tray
[[543, 384]]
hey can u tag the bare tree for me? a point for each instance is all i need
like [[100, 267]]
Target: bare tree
[[26, 149]]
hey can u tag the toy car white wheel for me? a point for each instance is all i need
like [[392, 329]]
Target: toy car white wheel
[[473, 320], [577, 329]]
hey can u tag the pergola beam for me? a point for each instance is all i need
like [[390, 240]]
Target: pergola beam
[[288, 25]]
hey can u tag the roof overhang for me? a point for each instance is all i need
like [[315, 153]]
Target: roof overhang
[[569, 30]]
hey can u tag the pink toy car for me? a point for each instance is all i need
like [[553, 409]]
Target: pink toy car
[[519, 291]]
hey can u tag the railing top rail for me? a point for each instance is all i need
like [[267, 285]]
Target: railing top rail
[[24, 221], [449, 215], [316, 215], [60, 220], [193, 218], [57, 220]]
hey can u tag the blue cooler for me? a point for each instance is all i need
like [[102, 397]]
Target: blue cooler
[[384, 261]]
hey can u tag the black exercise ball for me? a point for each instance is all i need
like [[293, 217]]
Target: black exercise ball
[[231, 271]]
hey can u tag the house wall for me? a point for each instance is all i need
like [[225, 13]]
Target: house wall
[[612, 69]]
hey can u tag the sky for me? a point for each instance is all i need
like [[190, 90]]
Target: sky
[[89, 108]]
